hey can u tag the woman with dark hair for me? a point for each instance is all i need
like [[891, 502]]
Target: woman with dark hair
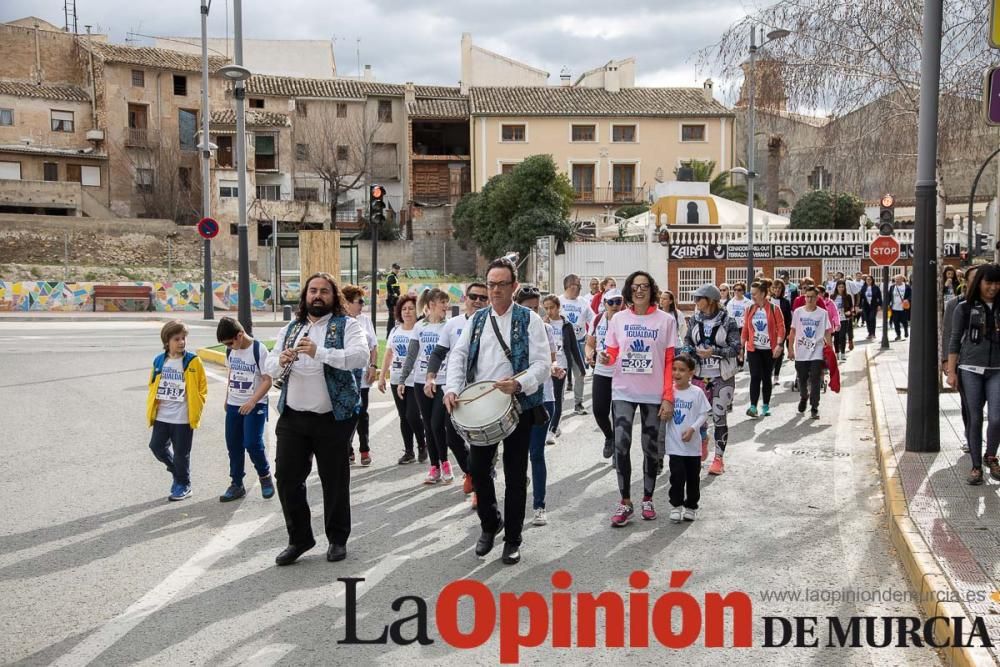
[[354, 299], [870, 298], [640, 346], [950, 287], [396, 346], [763, 336], [974, 358], [780, 301], [668, 304], [845, 306]]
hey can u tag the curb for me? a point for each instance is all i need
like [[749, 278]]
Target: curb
[[212, 356], [916, 556]]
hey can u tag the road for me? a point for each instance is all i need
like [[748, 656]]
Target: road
[[96, 567]]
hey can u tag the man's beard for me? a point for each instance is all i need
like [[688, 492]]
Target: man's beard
[[319, 308]]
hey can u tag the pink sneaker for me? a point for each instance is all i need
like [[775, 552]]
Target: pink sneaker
[[622, 514], [446, 476], [434, 476], [648, 513], [717, 467]]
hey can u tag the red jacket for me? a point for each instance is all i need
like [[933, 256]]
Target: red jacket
[[830, 358], [775, 326]]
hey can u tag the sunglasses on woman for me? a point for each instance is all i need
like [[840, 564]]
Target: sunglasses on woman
[[614, 302]]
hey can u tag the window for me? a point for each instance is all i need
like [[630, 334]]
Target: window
[[736, 275], [139, 78], [90, 175], [820, 179], [623, 178], [795, 273], [6, 116], [385, 111], [229, 189], [256, 102], [846, 266], [50, 171], [144, 180], [692, 133], [301, 109], [512, 133], [306, 194], [187, 125], [10, 170], [507, 167], [224, 156], [265, 155], [62, 121], [688, 280], [342, 153], [341, 110], [623, 134], [180, 85], [269, 192], [584, 133], [184, 178], [583, 181], [301, 152]]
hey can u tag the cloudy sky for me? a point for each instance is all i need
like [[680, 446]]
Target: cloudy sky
[[407, 40]]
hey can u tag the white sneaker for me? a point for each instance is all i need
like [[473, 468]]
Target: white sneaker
[[690, 514], [675, 515], [550, 438], [539, 519]]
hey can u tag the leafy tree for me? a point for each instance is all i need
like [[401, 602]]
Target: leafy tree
[[631, 210], [822, 210], [514, 209]]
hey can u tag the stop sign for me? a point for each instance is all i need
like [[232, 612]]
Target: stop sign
[[884, 251]]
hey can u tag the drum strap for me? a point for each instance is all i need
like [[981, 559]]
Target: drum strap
[[503, 345]]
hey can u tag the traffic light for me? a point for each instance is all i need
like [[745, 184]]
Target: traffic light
[[887, 215], [376, 199]]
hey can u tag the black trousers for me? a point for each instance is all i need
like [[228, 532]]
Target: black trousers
[[810, 376], [840, 337], [390, 319], [363, 420], [869, 314], [436, 422], [761, 368], [301, 436], [901, 318], [685, 488], [410, 424], [515, 470], [601, 404]]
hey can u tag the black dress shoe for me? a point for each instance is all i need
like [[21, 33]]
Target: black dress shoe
[[511, 554], [485, 543], [292, 553], [336, 552]]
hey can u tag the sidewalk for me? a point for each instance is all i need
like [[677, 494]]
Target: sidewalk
[[947, 532], [191, 317]]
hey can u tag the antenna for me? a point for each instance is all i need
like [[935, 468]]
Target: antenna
[[69, 9], [359, 57]]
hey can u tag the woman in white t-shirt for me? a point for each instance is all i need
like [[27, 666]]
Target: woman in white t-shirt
[[603, 373], [810, 332], [410, 425]]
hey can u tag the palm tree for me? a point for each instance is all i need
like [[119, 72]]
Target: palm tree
[[719, 184]]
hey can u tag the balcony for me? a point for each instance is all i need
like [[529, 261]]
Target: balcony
[[385, 170], [611, 195], [141, 137]]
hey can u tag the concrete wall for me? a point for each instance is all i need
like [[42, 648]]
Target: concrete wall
[[283, 57], [32, 121], [58, 56], [484, 68]]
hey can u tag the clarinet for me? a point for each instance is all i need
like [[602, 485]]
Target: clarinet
[[279, 381]]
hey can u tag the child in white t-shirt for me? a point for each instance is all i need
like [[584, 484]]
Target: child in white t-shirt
[[683, 445]]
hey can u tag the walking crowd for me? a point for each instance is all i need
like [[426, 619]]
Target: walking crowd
[[524, 350]]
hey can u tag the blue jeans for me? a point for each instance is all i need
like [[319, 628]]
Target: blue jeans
[[536, 453], [246, 434], [980, 390], [176, 458]]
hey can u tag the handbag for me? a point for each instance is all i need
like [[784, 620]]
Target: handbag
[[906, 304]]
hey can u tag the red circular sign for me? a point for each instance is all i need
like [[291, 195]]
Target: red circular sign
[[884, 251], [208, 228]]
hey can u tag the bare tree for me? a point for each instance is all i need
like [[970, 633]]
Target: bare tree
[[165, 183], [859, 62], [340, 151]]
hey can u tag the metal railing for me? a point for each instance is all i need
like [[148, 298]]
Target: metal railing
[[141, 137], [611, 195]]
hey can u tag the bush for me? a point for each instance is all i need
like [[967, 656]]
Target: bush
[[822, 210]]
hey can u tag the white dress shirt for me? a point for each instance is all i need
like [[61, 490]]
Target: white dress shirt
[[307, 385], [492, 363]]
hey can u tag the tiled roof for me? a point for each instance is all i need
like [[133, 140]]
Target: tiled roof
[[341, 89], [439, 109], [254, 118], [574, 101], [53, 150], [440, 92], [159, 58], [47, 91]]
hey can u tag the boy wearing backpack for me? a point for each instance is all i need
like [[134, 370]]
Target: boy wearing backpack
[[246, 407], [177, 392]]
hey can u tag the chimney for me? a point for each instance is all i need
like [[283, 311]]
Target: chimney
[[707, 90], [611, 81], [409, 92], [368, 76], [564, 77], [466, 48]]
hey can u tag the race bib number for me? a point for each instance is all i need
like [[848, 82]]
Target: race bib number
[[241, 385], [171, 387], [808, 344], [637, 363], [710, 364], [761, 340]]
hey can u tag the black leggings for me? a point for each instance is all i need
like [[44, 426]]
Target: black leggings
[[409, 418], [840, 337], [901, 318], [777, 362], [601, 398], [362, 427], [761, 368], [869, 314], [435, 417]]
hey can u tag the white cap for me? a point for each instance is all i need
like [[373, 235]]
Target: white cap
[[612, 293]]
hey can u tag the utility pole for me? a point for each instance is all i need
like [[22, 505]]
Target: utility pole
[[207, 288], [922, 401], [241, 168]]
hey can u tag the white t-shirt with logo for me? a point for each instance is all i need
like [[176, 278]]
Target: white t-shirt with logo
[[737, 309], [600, 334], [171, 394], [244, 374], [839, 301], [428, 334], [691, 409], [398, 342], [578, 313], [761, 336], [549, 394], [557, 331], [898, 294], [810, 330]]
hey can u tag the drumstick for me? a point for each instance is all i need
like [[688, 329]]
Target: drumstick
[[469, 400]]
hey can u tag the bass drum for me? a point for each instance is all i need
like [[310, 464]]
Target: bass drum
[[485, 416]]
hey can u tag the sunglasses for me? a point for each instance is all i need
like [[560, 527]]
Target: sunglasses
[[360, 302], [640, 287], [614, 302], [477, 297]]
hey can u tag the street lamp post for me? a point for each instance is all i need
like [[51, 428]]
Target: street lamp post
[[751, 174], [207, 290], [239, 74]]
